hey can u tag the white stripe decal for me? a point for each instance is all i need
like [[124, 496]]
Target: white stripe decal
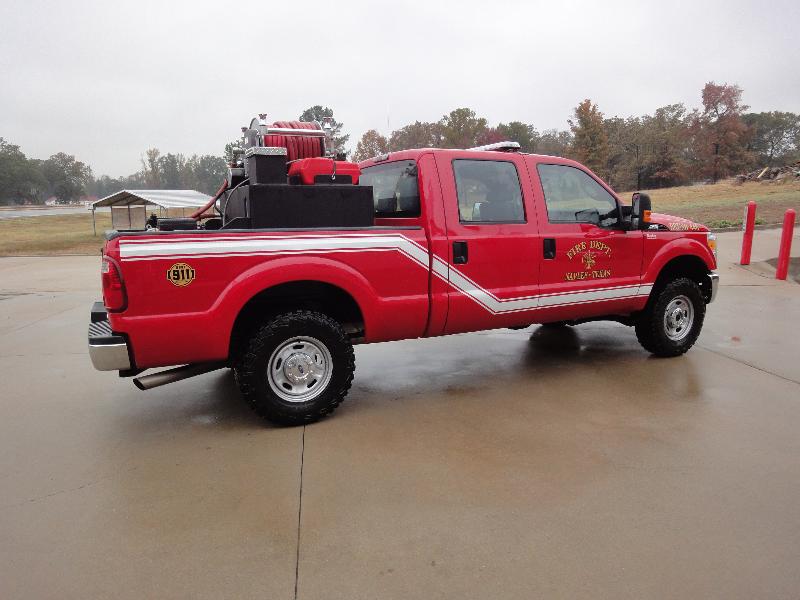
[[264, 245]]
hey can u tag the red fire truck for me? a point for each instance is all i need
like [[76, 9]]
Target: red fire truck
[[301, 255]]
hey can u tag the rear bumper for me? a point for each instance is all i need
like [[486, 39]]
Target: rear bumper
[[714, 282], [108, 351]]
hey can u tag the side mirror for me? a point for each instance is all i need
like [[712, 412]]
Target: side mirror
[[640, 211]]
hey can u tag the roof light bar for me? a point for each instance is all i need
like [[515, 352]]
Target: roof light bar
[[497, 147]]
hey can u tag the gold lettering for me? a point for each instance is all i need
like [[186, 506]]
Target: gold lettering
[[581, 275], [576, 275], [600, 246], [601, 273], [580, 246]]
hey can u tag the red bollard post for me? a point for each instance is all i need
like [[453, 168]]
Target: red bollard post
[[786, 245], [748, 225]]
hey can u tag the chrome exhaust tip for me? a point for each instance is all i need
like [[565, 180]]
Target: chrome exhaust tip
[[154, 380]]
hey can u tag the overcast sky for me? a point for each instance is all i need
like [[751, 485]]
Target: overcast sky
[[106, 80]]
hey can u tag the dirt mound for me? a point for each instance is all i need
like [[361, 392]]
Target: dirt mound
[[771, 174]]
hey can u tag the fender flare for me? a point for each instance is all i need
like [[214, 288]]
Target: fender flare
[[675, 249], [286, 270]]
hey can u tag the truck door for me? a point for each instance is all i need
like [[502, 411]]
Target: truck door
[[492, 265], [591, 266]]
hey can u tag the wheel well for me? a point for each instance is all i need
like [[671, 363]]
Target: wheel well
[[310, 295], [684, 266]]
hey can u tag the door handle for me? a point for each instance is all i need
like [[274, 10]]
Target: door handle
[[460, 254], [549, 248]]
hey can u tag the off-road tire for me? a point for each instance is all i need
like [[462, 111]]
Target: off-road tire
[[251, 371], [650, 326]]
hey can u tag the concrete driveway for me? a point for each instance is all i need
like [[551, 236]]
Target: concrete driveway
[[506, 464]]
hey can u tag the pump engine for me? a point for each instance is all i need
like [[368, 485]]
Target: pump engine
[[285, 175]]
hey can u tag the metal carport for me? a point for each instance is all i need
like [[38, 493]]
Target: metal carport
[[164, 199]]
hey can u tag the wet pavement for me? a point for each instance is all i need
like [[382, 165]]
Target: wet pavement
[[511, 464], [18, 213]]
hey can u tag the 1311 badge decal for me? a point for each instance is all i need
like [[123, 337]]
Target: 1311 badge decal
[[180, 274]]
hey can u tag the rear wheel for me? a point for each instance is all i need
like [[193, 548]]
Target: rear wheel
[[673, 318], [297, 368]]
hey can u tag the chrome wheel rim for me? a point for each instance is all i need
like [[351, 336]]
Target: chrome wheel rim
[[299, 369], [678, 318]]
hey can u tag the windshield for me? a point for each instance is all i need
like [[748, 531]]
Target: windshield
[[395, 191]]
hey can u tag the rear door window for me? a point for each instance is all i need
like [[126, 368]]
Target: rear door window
[[488, 191], [395, 190]]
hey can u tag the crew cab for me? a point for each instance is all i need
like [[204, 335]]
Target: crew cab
[[460, 241]]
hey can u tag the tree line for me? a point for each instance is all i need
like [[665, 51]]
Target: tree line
[[203, 173], [30, 180], [26, 180], [672, 146]]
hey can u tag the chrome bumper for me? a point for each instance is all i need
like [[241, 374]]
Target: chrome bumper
[[108, 351], [714, 280]]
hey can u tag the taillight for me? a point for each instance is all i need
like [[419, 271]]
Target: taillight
[[114, 296]]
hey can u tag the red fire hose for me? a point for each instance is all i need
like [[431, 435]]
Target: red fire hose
[[198, 214], [297, 147]]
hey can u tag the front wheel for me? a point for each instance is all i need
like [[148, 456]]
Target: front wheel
[[296, 368], [672, 320]]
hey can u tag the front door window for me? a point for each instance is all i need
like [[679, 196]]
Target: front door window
[[572, 196]]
